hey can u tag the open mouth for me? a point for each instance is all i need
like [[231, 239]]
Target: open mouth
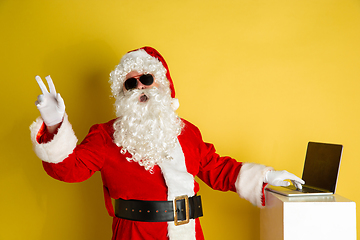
[[143, 98]]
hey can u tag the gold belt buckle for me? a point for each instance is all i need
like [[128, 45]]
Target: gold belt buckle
[[176, 221]]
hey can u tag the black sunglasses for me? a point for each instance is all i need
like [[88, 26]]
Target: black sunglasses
[[146, 79]]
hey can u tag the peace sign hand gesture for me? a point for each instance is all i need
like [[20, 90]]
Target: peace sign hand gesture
[[50, 104]]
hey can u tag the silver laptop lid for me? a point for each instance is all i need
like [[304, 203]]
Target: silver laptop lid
[[321, 166]]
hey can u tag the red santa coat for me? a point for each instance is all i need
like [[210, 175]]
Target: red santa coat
[[64, 160]]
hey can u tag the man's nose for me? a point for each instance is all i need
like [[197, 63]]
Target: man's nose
[[140, 85]]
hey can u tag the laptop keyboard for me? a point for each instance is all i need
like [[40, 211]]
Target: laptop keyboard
[[304, 189]]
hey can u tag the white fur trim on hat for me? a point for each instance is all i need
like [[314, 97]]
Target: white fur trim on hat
[[249, 183], [59, 147]]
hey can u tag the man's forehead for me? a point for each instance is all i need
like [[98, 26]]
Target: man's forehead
[[133, 74]]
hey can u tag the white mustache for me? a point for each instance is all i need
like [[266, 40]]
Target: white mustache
[[142, 95]]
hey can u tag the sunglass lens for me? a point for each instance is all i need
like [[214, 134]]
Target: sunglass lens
[[147, 79], [130, 83]]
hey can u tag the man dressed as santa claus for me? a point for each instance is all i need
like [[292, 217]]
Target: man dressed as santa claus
[[148, 156]]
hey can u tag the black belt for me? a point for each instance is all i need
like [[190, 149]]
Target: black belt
[[160, 211]]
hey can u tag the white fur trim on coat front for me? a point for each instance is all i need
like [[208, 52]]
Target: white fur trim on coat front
[[179, 182], [59, 147], [249, 183]]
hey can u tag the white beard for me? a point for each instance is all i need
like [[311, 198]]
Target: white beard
[[147, 130]]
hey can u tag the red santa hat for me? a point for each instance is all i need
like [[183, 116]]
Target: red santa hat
[[143, 60]]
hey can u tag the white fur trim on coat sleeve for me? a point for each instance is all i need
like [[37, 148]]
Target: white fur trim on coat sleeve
[[249, 183], [59, 147]]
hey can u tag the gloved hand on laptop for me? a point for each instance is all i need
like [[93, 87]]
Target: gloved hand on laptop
[[277, 178]]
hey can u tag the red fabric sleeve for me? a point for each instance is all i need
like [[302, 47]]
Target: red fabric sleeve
[[83, 162], [220, 173], [263, 195], [43, 136]]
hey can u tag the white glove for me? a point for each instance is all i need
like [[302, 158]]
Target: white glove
[[276, 178], [51, 105]]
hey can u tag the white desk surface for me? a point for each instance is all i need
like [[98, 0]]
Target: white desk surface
[[331, 217]]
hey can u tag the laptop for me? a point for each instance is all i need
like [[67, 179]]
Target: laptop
[[321, 168]]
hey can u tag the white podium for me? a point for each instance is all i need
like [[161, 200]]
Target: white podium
[[305, 218]]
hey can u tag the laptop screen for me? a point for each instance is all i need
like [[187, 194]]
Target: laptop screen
[[321, 166]]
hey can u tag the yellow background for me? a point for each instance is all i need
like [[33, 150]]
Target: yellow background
[[259, 78]]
